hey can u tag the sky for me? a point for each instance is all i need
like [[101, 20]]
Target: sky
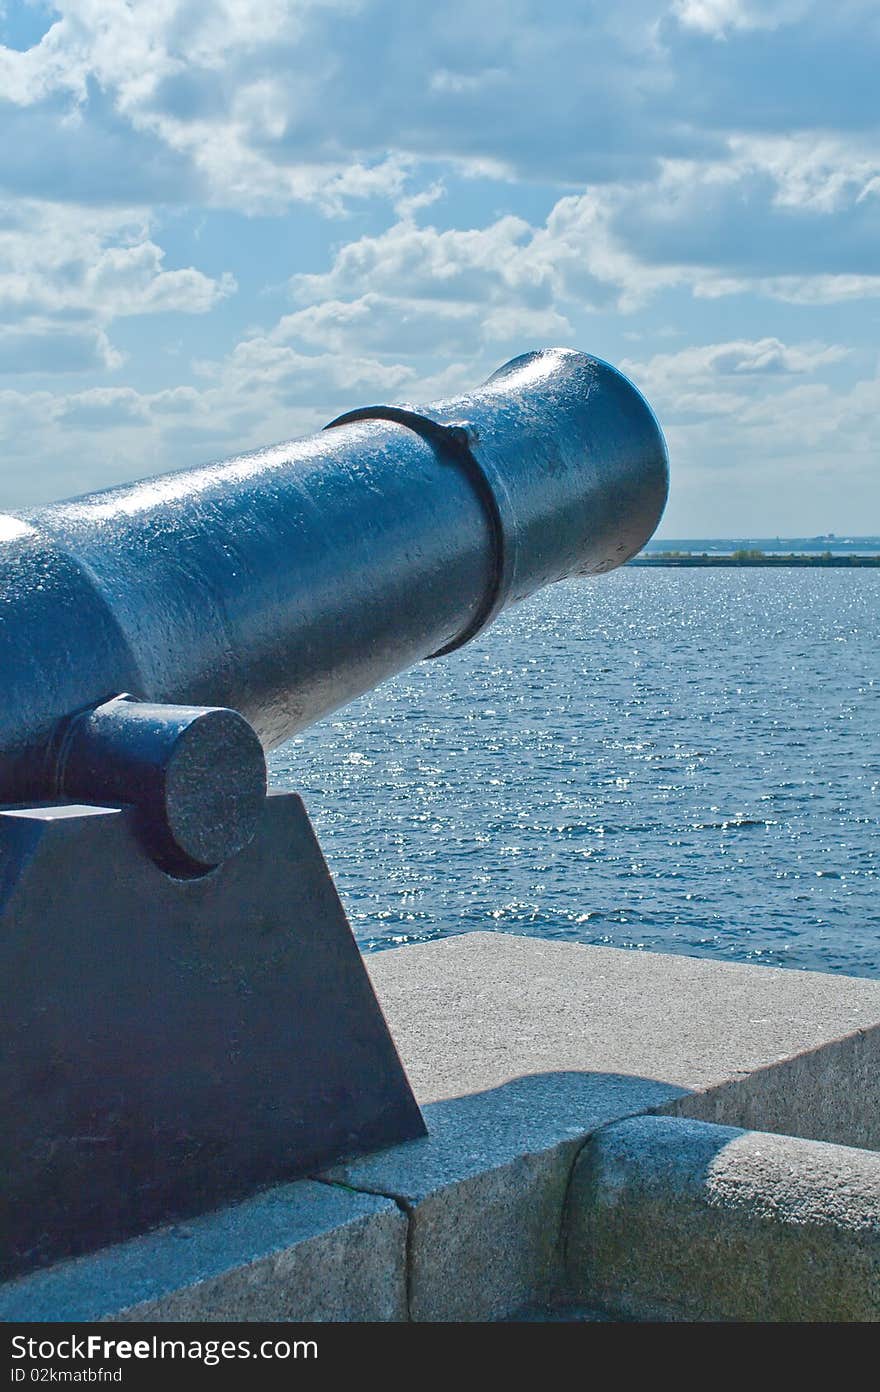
[[222, 222]]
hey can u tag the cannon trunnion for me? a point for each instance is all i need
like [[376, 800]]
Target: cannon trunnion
[[187, 1015]]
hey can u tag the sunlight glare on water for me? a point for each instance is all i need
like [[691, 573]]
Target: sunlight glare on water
[[674, 760]]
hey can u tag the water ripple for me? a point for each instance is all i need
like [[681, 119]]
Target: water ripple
[[681, 761]]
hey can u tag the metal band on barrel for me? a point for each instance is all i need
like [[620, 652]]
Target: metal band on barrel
[[453, 441]]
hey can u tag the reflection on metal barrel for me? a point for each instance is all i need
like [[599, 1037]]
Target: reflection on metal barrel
[[286, 582]]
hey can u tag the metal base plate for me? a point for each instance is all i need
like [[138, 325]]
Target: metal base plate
[[168, 1045]]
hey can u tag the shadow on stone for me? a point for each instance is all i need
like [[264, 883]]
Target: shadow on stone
[[485, 1190]]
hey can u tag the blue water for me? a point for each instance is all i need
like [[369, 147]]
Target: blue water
[[680, 761]]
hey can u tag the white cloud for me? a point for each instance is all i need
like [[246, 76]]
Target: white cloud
[[720, 17], [618, 246], [68, 272], [756, 430], [102, 407], [422, 262], [408, 206], [804, 290], [415, 327], [212, 83], [745, 401], [419, 291], [706, 364], [60, 258], [39, 346], [332, 100], [379, 323], [810, 170], [130, 280], [261, 369]]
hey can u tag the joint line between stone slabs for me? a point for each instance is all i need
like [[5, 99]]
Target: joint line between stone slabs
[[562, 1237], [587, 1139], [406, 1209]]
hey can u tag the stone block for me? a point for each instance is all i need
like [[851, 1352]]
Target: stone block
[[680, 1219], [304, 1251]]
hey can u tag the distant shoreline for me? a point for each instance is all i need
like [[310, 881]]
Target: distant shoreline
[[821, 562]]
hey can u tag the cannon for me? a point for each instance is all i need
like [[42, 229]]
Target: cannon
[[187, 1015]]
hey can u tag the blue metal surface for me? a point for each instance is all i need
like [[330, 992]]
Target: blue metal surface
[[169, 1045], [197, 775], [287, 582]]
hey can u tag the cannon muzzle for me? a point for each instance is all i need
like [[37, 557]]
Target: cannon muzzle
[[284, 583]]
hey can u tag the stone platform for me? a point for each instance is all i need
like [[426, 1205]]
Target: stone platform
[[531, 1059]]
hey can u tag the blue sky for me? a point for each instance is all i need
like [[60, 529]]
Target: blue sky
[[224, 221]]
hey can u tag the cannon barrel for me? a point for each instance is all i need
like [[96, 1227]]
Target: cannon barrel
[[284, 583]]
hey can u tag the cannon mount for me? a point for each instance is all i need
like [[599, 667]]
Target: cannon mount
[[174, 1043]]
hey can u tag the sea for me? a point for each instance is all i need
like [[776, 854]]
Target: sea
[[660, 760]]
